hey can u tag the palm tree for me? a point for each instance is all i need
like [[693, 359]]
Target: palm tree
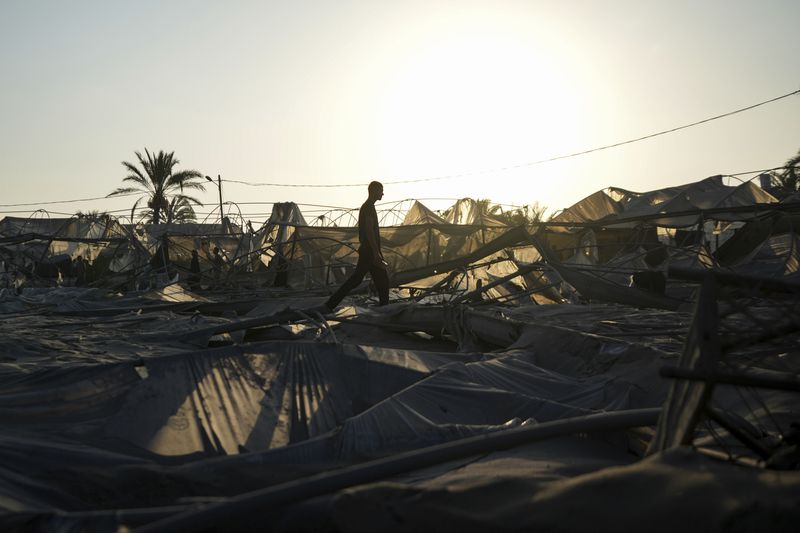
[[94, 214], [180, 210], [789, 179], [158, 183]]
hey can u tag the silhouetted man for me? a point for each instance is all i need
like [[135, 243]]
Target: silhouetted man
[[217, 262], [194, 268], [370, 257], [79, 269]]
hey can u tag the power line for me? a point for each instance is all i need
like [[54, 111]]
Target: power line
[[324, 208], [754, 172], [531, 163], [450, 176], [72, 201], [298, 185]]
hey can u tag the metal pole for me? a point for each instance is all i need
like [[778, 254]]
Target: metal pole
[[219, 185]]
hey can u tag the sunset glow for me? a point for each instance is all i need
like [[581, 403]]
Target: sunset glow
[[344, 93]]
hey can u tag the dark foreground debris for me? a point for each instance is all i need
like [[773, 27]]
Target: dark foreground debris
[[517, 375]]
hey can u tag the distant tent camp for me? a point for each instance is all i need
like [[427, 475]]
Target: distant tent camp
[[667, 207]]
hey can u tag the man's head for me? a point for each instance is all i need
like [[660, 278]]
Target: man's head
[[375, 190]]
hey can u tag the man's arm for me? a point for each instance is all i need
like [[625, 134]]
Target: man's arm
[[373, 238]]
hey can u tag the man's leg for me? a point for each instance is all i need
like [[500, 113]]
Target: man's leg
[[381, 279], [362, 267]]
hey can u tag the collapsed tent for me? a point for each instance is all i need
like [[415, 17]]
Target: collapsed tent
[[149, 430], [605, 243], [668, 207], [221, 401], [519, 370]]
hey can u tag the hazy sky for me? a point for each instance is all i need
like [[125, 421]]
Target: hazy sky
[[330, 92]]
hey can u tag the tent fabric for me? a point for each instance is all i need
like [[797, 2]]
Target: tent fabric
[[467, 211], [461, 401], [153, 232], [220, 401], [777, 256], [596, 206], [106, 407], [312, 257], [45, 239], [766, 240], [286, 213], [456, 402], [419, 214], [658, 205], [325, 255], [167, 428], [592, 286], [554, 487], [65, 228]]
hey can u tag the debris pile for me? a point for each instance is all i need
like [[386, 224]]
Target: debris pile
[[637, 345]]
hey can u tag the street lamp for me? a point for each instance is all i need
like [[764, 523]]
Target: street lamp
[[219, 186]]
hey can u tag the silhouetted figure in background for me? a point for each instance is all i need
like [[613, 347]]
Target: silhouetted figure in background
[[370, 257], [477, 297], [217, 262], [79, 269], [194, 268]]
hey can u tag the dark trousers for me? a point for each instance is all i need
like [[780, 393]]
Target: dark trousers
[[365, 264]]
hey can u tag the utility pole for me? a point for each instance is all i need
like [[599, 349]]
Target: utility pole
[[219, 186]]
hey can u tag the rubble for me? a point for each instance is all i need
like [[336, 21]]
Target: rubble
[[632, 341]]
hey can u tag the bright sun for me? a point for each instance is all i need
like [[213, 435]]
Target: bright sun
[[475, 103]]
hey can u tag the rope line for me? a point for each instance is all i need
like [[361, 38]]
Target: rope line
[[531, 163]]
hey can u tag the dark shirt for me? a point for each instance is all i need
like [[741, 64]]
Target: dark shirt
[[194, 268], [195, 265], [368, 223], [80, 271]]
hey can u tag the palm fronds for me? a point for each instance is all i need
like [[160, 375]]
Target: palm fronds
[[157, 181]]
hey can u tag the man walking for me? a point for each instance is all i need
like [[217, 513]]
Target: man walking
[[370, 257]]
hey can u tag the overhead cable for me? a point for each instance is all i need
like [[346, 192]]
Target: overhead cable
[[450, 176], [325, 207], [72, 201], [763, 170], [522, 165]]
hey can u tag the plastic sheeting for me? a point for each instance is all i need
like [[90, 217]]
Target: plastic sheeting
[[765, 247], [171, 430], [320, 256], [563, 486], [592, 285], [214, 402], [419, 214], [75, 437], [467, 211], [658, 205], [465, 399], [66, 228]]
